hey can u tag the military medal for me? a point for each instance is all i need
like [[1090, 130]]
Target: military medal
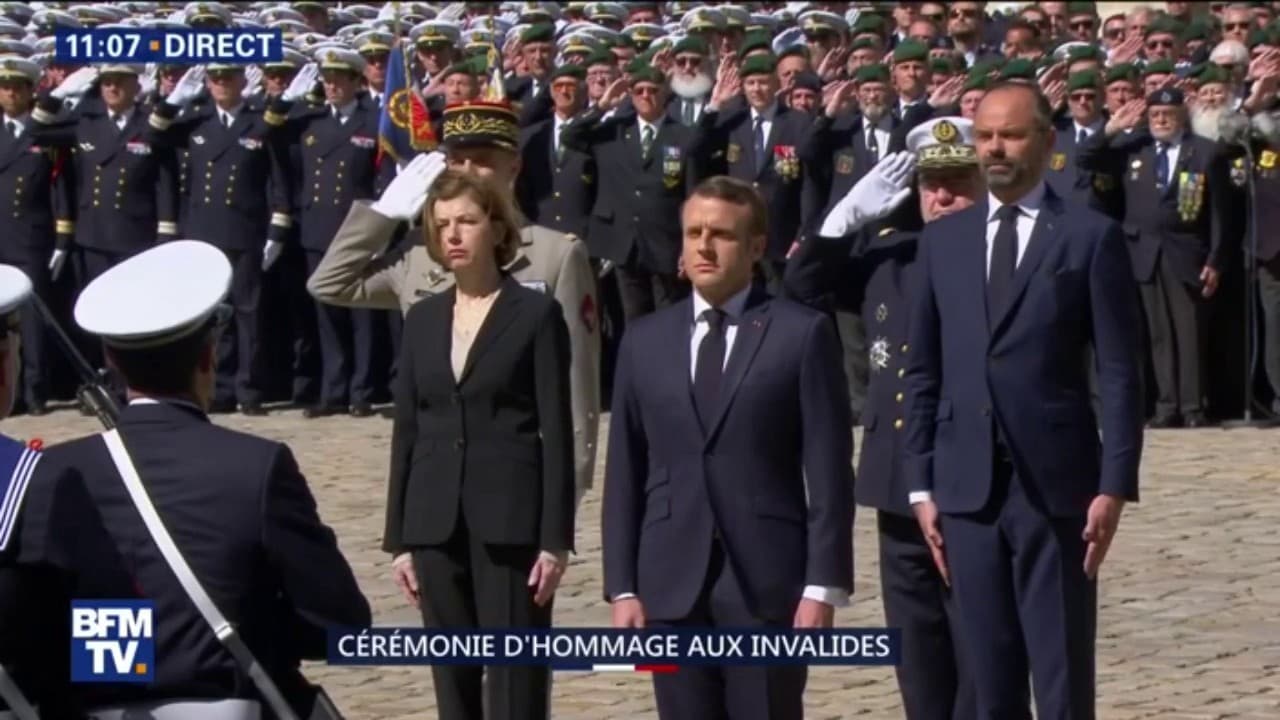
[[1237, 172], [1267, 160], [671, 167], [785, 162], [310, 140], [734, 152], [844, 163], [882, 312], [1134, 167], [1190, 195], [879, 354], [1058, 161]]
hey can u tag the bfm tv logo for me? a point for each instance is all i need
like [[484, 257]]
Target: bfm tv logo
[[112, 641]]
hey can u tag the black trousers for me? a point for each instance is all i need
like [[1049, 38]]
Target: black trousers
[[1023, 605], [642, 291], [727, 693], [348, 350], [857, 367], [1269, 297], [930, 677], [91, 264], [35, 365], [1177, 327], [466, 583], [240, 362]]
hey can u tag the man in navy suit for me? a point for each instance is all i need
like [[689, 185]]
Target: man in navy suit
[[1002, 456], [727, 407]]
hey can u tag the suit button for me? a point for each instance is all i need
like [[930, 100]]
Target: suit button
[[905, 347], [557, 195], [897, 424], [459, 443], [637, 193], [898, 397], [902, 372], [557, 218]]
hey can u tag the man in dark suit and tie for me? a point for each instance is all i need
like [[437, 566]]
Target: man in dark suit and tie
[[1002, 458], [556, 184], [1084, 119], [729, 492]]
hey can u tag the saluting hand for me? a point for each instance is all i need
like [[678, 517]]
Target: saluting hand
[[1099, 530], [406, 579], [927, 515], [188, 86], [302, 83]]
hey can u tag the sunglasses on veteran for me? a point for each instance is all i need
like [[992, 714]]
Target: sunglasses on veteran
[[1085, 24], [1241, 26], [962, 13], [1159, 44]]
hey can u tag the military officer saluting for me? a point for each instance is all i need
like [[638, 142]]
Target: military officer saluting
[[338, 165], [238, 203], [556, 185], [39, 225], [479, 137], [127, 186], [876, 283]]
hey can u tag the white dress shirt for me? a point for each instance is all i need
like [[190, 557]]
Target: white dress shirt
[[343, 113], [1028, 211], [1089, 130], [882, 138], [227, 117], [121, 119], [557, 125], [1175, 147], [19, 124]]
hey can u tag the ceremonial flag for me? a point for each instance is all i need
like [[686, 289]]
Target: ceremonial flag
[[404, 129]]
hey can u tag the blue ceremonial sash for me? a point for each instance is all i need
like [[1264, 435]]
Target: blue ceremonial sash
[[17, 463]]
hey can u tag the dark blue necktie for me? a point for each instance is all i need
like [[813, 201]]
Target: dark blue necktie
[[1081, 137], [1162, 167], [1004, 261], [710, 367], [758, 139]]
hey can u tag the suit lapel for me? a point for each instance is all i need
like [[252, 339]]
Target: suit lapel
[[752, 327], [1043, 236], [506, 307], [219, 138], [971, 247]]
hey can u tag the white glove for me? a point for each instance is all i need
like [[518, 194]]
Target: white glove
[[187, 87], [56, 262], [387, 12], [404, 197], [253, 80], [876, 195], [76, 84], [302, 83], [271, 253]]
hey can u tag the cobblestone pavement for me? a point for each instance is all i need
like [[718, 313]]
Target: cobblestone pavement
[[1189, 627]]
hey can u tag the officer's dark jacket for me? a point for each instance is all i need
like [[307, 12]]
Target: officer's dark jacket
[[1099, 191], [1188, 223], [241, 513], [554, 189], [237, 195], [874, 282], [786, 177], [338, 163], [636, 215], [126, 185], [37, 186]]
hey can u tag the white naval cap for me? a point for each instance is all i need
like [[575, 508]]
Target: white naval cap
[[15, 288], [13, 67], [157, 296], [941, 143]]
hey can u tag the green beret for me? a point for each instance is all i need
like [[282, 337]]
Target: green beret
[[868, 23], [1082, 79], [987, 66], [691, 44], [577, 72], [753, 41], [861, 43], [541, 33], [600, 57], [1214, 74], [1018, 68], [872, 73], [1123, 71], [1158, 67], [941, 66], [799, 50], [977, 81], [646, 73], [1164, 24], [1083, 52], [1258, 36], [1082, 8], [1197, 29], [910, 50], [758, 65]]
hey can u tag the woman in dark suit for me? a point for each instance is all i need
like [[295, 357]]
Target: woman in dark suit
[[480, 506]]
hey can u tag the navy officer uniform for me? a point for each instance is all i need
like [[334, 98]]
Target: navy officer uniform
[[32, 663], [236, 505], [1176, 225], [39, 222], [338, 164], [238, 202], [876, 282], [126, 185], [556, 185]]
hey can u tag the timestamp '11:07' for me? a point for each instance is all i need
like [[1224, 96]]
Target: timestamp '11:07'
[[177, 46]]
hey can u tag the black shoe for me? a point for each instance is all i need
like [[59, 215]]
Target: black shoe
[[37, 409], [1196, 420], [319, 411], [1165, 421], [252, 409], [361, 410]]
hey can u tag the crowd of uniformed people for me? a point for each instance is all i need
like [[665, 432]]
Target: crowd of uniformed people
[[598, 121]]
